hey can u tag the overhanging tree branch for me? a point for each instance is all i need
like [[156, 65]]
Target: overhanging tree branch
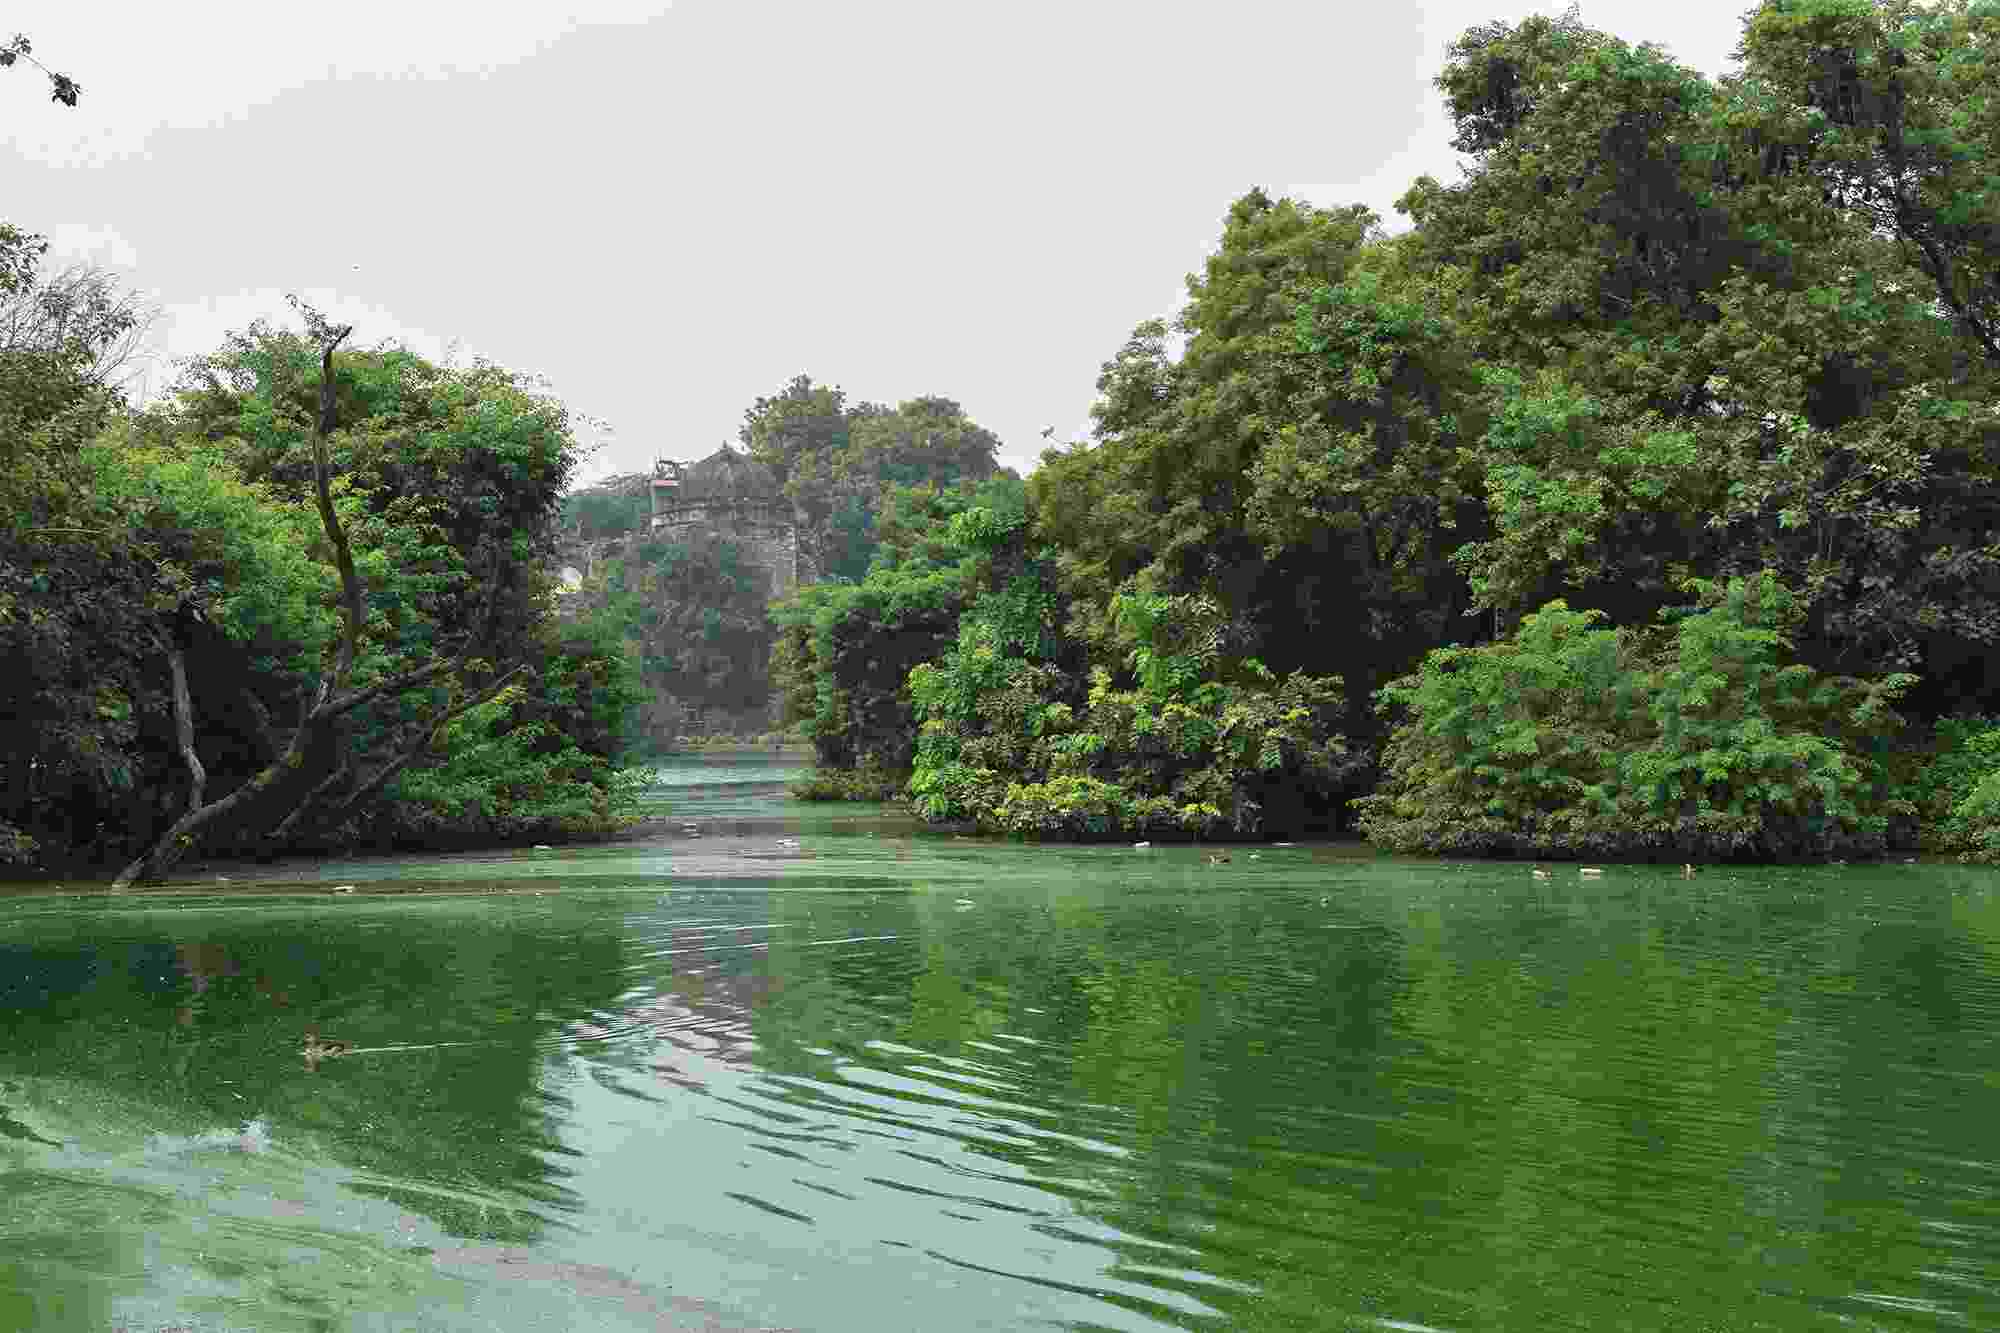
[[398, 757], [62, 88]]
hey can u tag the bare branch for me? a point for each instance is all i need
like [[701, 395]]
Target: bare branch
[[290, 822], [262, 716], [82, 318]]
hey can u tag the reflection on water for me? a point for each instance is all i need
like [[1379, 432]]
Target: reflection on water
[[809, 1068]]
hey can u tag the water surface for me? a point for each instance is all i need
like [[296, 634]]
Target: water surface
[[808, 1067]]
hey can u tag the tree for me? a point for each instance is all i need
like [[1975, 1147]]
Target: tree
[[77, 314], [844, 652], [1889, 134], [801, 420], [1163, 484], [75, 599], [1703, 351], [1865, 121], [1667, 332], [833, 461], [237, 619], [342, 779], [1298, 464]]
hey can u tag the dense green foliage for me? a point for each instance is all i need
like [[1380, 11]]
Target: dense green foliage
[[1957, 788], [177, 629], [1413, 515], [596, 514], [1723, 332], [1291, 464], [1200, 744], [536, 764], [1208, 763], [692, 611], [1567, 739], [845, 650], [835, 462], [1668, 334]]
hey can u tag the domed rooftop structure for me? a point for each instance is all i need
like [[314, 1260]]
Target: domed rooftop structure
[[728, 474]]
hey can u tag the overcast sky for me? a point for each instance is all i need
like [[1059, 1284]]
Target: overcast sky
[[668, 209]]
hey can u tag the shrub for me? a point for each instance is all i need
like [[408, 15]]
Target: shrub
[[1688, 740], [1957, 789], [844, 650], [869, 782], [1011, 742]]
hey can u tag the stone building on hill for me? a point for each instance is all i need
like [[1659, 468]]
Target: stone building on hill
[[704, 546], [724, 495], [731, 496]]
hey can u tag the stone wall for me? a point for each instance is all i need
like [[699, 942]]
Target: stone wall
[[766, 533]]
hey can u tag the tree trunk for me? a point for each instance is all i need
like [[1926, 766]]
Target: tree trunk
[[332, 701]]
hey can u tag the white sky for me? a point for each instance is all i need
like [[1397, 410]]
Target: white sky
[[671, 208]]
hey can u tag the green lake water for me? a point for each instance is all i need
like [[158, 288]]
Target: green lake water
[[810, 1068]]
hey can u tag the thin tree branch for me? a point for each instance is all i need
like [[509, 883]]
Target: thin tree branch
[[62, 88], [392, 767], [402, 753], [290, 822], [262, 716], [416, 676]]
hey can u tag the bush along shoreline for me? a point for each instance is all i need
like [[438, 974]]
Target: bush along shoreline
[[1693, 741]]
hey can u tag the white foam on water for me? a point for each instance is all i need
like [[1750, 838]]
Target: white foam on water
[[252, 1136]]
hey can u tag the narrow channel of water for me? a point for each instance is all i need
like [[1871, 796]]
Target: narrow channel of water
[[807, 1067]]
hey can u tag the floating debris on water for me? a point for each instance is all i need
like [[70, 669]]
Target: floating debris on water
[[316, 1050]]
